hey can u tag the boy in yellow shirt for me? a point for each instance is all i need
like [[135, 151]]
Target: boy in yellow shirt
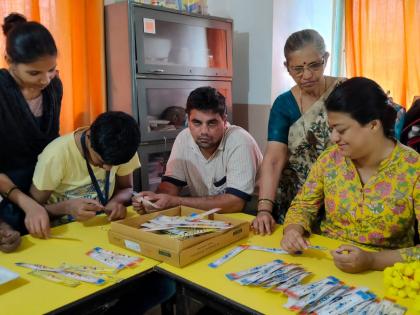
[[88, 170]]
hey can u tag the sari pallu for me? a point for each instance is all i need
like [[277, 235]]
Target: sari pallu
[[308, 137]]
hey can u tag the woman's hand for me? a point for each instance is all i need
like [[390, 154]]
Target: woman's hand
[[37, 221], [147, 201], [137, 204], [352, 259], [263, 223], [293, 240]]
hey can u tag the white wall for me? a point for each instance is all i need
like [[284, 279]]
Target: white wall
[[291, 16], [252, 49], [260, 32], [259, 40], [252, 61]]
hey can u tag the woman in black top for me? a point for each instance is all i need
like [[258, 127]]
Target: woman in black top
[[30, 101]]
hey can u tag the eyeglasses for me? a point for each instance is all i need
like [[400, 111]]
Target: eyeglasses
[[313, 67]]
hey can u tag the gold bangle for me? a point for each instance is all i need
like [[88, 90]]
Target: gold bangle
[[265, 211], [7, 194], [265, 204], [266, 200]]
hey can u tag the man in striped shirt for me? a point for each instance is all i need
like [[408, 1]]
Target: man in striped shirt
[[216, 161]]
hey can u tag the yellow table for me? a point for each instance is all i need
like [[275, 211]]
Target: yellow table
[[212, 282], [30, 295]]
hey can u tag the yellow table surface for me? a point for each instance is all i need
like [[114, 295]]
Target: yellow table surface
[[31, 295], [320, 263]]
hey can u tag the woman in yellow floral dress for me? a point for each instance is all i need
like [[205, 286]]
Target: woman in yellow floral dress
[[368, 182]]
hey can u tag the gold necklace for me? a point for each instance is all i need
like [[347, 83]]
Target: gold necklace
[[309, 135]]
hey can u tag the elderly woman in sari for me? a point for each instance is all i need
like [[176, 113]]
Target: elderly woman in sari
[[368, 182], [297, 129]]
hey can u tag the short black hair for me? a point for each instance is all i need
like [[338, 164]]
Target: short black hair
[[206, 98], [115, 136], [27, 41], [364, 100]]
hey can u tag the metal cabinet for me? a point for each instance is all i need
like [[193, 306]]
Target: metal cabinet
[[155, 57]]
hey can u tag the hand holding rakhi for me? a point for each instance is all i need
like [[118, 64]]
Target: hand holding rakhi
[[352, 259], [148, 201], [83, 209], [115, 210], [137, 204]]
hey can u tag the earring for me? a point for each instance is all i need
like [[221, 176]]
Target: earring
[[373, 125]]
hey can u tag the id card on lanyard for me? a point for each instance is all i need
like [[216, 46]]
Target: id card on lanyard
[[102, 196]]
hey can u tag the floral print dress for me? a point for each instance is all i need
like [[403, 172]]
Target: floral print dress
[[379, 214]]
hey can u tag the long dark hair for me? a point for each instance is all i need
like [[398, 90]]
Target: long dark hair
[[27, 41], [364, 100]]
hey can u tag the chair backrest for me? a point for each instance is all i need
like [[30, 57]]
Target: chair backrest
[[399, 120], [410, 135]]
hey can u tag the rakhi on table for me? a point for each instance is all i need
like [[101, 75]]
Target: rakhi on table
[[324, 297], [195, 220], [62, 274], [235, 251], [184, 227], [71, 275]]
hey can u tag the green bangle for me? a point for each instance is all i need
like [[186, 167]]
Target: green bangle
[[7, 194]]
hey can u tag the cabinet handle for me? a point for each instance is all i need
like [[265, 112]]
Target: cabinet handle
[[157, 71]]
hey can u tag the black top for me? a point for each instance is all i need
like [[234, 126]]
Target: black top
[[22, 137]]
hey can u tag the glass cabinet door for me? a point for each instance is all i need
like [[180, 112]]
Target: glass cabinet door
[[171, 43], [161, 105], [153, 159]]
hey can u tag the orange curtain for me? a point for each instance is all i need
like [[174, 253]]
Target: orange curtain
[[383, 43], [78, 29]]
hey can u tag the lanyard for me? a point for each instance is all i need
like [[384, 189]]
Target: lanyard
[[103, 198]]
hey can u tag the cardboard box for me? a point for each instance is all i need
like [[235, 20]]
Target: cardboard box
[[126, 233]]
